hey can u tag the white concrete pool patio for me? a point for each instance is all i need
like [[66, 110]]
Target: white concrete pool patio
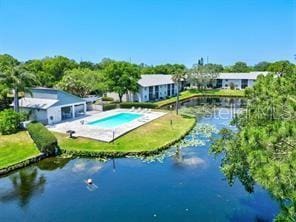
[[83, 129]]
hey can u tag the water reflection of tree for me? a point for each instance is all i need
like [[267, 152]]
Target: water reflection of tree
[[25, 184], [53, 163]]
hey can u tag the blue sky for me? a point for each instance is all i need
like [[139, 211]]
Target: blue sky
[[150, 31]]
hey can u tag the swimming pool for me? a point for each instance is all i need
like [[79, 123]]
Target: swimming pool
[[115, 120]]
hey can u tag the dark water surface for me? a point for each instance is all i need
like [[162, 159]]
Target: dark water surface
[[186, 185]]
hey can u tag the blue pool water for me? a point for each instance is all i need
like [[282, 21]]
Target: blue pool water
[[115, 120]]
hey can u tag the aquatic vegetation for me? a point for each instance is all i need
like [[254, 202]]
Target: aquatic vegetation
[[199, 136]]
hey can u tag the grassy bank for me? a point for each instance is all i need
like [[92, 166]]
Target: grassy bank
[[195, 93], [16, 148], [153, 136]]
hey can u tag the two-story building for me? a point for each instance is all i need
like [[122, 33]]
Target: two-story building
[[237, 80], [51, 106], [152, 87]]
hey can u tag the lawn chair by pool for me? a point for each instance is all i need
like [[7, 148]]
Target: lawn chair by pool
[[149, 110], [132, 109], [145, 110], [139, 110]]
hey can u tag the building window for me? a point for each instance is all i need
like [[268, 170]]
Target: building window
[[244, 83], [156, 92], [226, 80]]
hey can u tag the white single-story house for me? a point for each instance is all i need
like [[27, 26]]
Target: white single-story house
[[237, 80], [152, 87], [51, 106]]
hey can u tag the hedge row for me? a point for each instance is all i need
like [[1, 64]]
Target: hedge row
[[128, 105], [106, 98], [45, 141], [109, 106]]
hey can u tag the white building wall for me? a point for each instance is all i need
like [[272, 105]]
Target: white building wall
[[251, 82], [116, 97], [54, 114], [36, 114], [143, 94]]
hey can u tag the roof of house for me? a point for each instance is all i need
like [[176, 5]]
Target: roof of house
[[248, 75], [155, 79], [44, 98], [36, 103]]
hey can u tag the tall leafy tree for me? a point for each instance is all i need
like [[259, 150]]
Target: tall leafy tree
[[82, 82], [17, 79], [240, 67], [264, 148], [121, 77], [7, 62], [281, 67], [261, 66], [161, 69], [202, 75]]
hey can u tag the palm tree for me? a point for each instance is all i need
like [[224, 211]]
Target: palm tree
[[18, 79], [177, 77]]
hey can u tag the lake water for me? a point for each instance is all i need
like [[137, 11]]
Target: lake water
[[180, 185]]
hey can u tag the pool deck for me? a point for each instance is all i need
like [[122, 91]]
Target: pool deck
[[104, 134]]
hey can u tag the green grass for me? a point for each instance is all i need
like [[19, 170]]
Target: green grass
[[16, 148], [194, 93], [148, 137]]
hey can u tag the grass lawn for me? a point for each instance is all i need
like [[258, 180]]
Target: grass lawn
[[148, 137], [192, 93], [16, 148]]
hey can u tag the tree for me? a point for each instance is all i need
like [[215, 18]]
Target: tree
[[178, 77], [281, 67], [7, 62], [240, 67], [44, 78], [87, 65], [50, 70], [200, 62], [261, 66], [161, 69], [263, 150], [121, 77], [82, 82], [202, 76], [19, 80], [4, 100]]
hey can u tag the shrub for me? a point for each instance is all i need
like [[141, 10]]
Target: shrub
[[107, 107], [232, 86], [128, 105], [106, 98], [10, 121], [43, 138]]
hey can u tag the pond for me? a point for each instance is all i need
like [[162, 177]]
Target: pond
[[178, 185]]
